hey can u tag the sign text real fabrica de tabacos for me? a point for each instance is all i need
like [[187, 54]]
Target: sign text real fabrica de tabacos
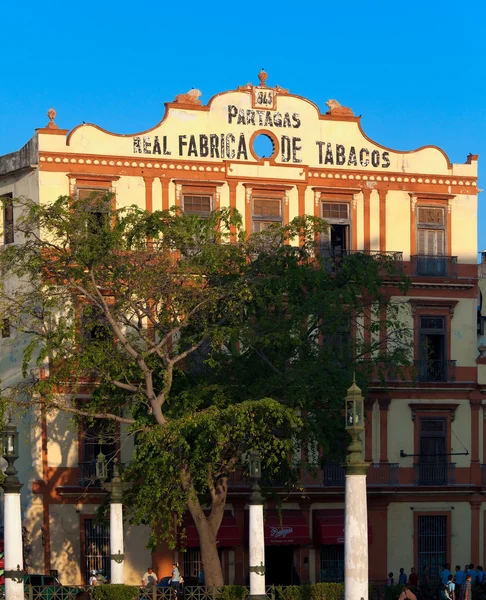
[[234, 146]]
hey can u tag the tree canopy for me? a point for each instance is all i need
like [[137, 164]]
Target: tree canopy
[[204, 341]]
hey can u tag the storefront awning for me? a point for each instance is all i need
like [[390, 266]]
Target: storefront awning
[[328, 526], [228, 532], [287, 527]]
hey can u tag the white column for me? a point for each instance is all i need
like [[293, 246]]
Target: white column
[[257, 551], [12, 524], [356, 539], [116, 543]]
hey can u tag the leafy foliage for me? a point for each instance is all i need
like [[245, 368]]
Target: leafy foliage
[[204, 342]]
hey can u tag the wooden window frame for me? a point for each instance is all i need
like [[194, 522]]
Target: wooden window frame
[[8, 223], [261, 218], [431, 513]]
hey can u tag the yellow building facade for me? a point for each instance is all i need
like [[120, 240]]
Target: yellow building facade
[[274, 155]]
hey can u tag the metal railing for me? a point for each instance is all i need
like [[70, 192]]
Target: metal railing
[[379, 474], [435, 370], [424, 265], [435, 473], [87, 473], [333, 260]]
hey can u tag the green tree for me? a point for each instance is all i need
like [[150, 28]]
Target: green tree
[[205, 342]]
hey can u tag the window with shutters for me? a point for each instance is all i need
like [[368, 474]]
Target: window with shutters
[[197, 204], [8, 219], [98, 207], [431, 241], [266, 212], [335, 242]]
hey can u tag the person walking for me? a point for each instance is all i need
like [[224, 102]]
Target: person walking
[[93, 580], [459, 580], [451, 588], [413, 579], [444, 574], [466, 595], [407, 593], [175, 580], [425, 583], [390, 580], [402, 578]]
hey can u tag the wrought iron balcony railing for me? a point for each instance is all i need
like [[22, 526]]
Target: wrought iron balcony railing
[[424, 265], [435, 473], [379, 474], [435, 370], [87, 473], [333, 260]]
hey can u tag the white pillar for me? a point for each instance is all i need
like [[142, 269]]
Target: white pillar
[[356, 538], [116, 543], [257, 551], [12, 523]]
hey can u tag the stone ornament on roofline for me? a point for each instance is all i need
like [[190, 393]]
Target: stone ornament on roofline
[[336, 109], [51, 114], [190, 97]]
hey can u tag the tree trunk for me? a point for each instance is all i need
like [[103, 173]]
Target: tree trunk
[[213, 574]]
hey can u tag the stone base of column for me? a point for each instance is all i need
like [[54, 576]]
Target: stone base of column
[[257, 597]]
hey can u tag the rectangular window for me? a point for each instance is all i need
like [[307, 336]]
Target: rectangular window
[[98, 208], [432, 467], [266, 212], [432, 359], [8, 219], [94, 325], [96, 548], [431, 242], [336, 241], [192, 562], [332, 563], [432, 544], [98, 437], [5, 328], [197, 204]]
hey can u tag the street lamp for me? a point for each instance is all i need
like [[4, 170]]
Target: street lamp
[[356, 513], [256, 553], [115, 487], [12, 523]]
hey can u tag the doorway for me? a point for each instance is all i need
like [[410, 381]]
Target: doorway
[[279, 566]]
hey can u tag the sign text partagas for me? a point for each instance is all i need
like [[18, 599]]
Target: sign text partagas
[[235, 145]]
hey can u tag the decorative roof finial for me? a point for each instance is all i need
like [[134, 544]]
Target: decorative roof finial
[[262, 76], [51, 113]]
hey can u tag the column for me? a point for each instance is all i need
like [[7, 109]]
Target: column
[[475, 402], [384, 403], [382, 195], [257, 546], [117, 557], [367, 218], [12, 524], [475, 506], [148, 193], [356, 534]]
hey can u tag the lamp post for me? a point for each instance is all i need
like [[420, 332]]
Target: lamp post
[[12, 523], [356, 513], [115, 487], [256, 538]]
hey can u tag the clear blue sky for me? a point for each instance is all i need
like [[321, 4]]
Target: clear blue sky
[[415, 70]]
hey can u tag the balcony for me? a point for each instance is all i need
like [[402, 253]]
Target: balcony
[[379, 474], [435, 474], [435, 371], [433, 266], [87, 473], [334, 259]]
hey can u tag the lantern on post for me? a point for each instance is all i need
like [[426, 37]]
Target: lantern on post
[[10, 444], [101, 467], [255, 467], [354, 411]]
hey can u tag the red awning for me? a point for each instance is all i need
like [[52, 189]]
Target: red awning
[[289, 527], [228, 532], [329, 527]]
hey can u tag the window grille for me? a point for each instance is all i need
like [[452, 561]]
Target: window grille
[[192, 562], [196, 205], [432, 544], [332, 210], [266, 212], [96, 548], [332, 563], [430, 216]]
